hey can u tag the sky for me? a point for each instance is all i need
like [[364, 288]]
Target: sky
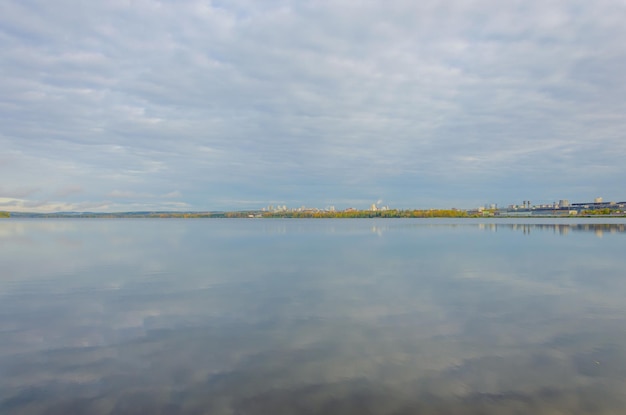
[[231, 105]]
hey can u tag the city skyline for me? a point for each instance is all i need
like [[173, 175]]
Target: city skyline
[[209, 105], [563, 205]]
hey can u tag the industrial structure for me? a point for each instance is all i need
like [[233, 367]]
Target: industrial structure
[[563, 207]]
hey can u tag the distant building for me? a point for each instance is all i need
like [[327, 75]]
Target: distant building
[[597, 200]]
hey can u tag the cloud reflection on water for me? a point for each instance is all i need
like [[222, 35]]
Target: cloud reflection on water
[[229, 317]]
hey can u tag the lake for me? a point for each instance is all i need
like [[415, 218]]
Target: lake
[[296, 316]]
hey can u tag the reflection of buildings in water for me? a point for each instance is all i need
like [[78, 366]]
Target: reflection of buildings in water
[[523, 227], [564, 229], [377, 230], [275, 229]]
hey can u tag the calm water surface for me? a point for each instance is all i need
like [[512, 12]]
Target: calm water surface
[[312, 316]]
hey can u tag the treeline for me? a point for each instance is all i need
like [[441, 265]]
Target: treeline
[[5, 214], [392, 213], [595, 212]]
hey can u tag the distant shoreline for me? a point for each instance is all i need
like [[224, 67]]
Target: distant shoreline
[[353, 214]]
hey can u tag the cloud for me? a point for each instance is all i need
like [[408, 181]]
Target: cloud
[[174, 194], [6, 192], [340, 100], [127, 194], [69, 190], [25, 205]]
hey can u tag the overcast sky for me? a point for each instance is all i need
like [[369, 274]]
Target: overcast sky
[[208, 105]]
